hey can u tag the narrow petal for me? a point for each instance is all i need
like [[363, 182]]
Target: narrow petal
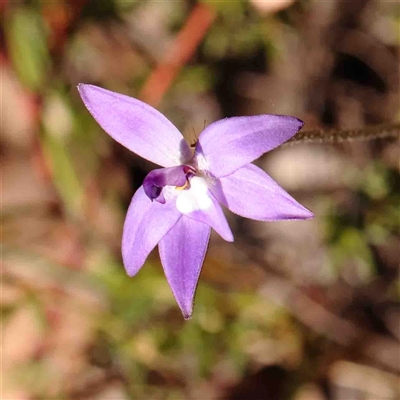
[[199, 204], [251, 193], [182, 252], [228, 144], [136, 125], [145, 225]]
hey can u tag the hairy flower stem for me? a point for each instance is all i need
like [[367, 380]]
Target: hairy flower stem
[[342, 135]]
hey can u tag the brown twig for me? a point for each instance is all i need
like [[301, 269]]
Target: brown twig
[[192, 33], [342, 135]]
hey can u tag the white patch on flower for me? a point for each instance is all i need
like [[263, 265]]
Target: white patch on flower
[[194, 199], [202, 163]]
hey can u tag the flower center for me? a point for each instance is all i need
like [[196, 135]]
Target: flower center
[[157, 179], [196, 198]]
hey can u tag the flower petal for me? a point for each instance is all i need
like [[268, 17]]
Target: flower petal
[[231, 143], [136, 125], [145, 225], [182, 252], [251, 193], [199, 204]]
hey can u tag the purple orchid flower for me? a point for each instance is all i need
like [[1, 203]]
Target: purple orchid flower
[[177, 205]]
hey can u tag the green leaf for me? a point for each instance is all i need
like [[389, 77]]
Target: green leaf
[[28, 47], [64, 175]]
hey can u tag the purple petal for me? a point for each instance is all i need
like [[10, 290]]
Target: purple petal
[[198, 203], [214, 217], [145, 225], [182, 252], [251, 193], [137, 126], [158, 178], [231, 143]]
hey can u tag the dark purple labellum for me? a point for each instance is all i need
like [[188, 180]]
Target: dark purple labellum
[[155, 180]]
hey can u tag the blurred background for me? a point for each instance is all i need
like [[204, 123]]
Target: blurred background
[[302, 310]]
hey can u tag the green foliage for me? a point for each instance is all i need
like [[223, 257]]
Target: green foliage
[[27, 44]]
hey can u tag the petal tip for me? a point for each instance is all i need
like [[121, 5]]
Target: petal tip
[[186, 309], [297, 123], [187, 316], [83, 91], [81, 86], [301, 122], [305, 215], [131, 272], [309, 215], [132, 266], [229, 238], [86, 89]]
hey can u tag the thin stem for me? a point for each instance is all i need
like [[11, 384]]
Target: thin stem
[[341, 135]]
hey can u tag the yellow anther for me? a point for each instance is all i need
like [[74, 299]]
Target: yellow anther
[[185, 186]]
